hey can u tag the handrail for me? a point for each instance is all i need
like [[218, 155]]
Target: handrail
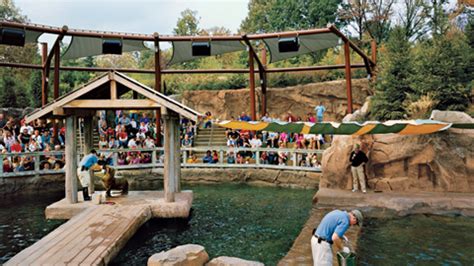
[[155, 162]]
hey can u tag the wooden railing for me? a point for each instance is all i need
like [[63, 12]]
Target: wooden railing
[[294, 158]]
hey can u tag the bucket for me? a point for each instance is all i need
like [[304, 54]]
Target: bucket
[[346, 259]]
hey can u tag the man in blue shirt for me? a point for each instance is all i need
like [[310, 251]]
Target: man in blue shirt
[[320, 109], [86, 163], [331, 231]]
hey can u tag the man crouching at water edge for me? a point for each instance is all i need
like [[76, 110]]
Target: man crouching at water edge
[[331, 232]]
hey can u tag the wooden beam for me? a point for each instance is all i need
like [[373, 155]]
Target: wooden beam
[[113, 104], [264, 82], [252, 88], [157, 88], [58, 111], [71, 160], [113, 90], [347, 58], [44, 78]]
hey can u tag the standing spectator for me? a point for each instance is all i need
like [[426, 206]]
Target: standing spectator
[[244, 117], [208, 120], [24, 138], [358, 159], [320, 109]]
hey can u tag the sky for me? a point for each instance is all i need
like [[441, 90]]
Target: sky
[[133, 16]]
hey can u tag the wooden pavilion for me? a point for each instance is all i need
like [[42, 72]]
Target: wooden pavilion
[[107, 92]]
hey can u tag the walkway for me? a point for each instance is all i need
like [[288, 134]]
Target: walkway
[[96, 233]]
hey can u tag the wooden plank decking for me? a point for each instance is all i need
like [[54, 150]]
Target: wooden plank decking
[[92, 237]]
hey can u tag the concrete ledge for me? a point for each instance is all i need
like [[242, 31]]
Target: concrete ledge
[[153, 199], [402, 203]]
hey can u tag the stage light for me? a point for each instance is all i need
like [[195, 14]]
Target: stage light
[[14, 37], [201, 48], [112, 47], [288, 45]]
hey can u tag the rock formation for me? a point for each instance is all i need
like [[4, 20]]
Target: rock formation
[[300, 100], [231, 261], [189, 255], [435, 162]]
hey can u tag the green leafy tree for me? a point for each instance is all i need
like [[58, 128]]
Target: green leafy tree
[[394, 79], [444, 70], [7, 91], [35, 89], [188, 24]]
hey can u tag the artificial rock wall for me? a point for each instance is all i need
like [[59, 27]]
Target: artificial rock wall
[[301, 99]]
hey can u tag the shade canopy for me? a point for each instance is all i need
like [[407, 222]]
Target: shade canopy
[[307, 43], [403, 127], [90, 46], [182, 50]]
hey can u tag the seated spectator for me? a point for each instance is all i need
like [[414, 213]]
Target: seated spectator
[[46, 138], [245, 118], [45, 165], [311, 118], [208, 157], [58, 165], [149, 142], [264, 158], [240, 159], [132, 143], [110, 132], [301, 142], [272, 140], [144, 119], [33, 146], [186, 142], [103, 128], [314, 161], [8, 139], [192, 159], [255, 142], [123, 139], [282, 156], [24, 138], [283, 138], [7, 166], [231, 141], [215, 157], [113, 143], [231, 157], [16, 147], [266, 118], [290, 117], [103, 143]]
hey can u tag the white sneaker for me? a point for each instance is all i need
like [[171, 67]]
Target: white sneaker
[[355, 190], [364, 191]]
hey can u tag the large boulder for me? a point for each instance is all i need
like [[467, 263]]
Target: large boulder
[[231, 261], [451, 116], [434, 162], [301, 99], [186, 255]]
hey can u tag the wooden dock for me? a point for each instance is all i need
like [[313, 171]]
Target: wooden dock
[[96, 233]]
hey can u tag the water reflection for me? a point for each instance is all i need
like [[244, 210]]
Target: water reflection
[[418, 239], [22, 222], [253, 223]]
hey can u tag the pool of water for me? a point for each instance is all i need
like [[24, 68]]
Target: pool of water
[[22, 222], [417, 240], [254, 223]]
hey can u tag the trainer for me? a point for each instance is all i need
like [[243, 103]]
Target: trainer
[[331, 232]]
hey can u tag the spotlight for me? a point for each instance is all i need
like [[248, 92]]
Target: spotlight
[[14, 37], [112, 47], [201, 48], [288, 45]]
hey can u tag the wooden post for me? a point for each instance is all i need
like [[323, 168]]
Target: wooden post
[[172, 164], [158, 88], [347, 57], [57, 63], [44, 78], [252, 87], [264, 82], [71, 159], [88, 146], [373, 45]]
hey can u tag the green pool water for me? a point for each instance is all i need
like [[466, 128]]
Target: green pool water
[[22, 222], [254, 223], [417, 240]]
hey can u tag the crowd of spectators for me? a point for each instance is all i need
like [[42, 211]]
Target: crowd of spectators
[[17, 136]]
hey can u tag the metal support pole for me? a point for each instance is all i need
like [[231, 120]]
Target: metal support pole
[[264, 82], [252, 87], [71, 159], [347, 57]]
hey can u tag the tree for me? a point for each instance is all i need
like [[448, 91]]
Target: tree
[[9, 12], [35, 89], [188, 24], [394, 79], [7, 91], [413, 19], [438, 20], [442, 70], [355, 13]]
